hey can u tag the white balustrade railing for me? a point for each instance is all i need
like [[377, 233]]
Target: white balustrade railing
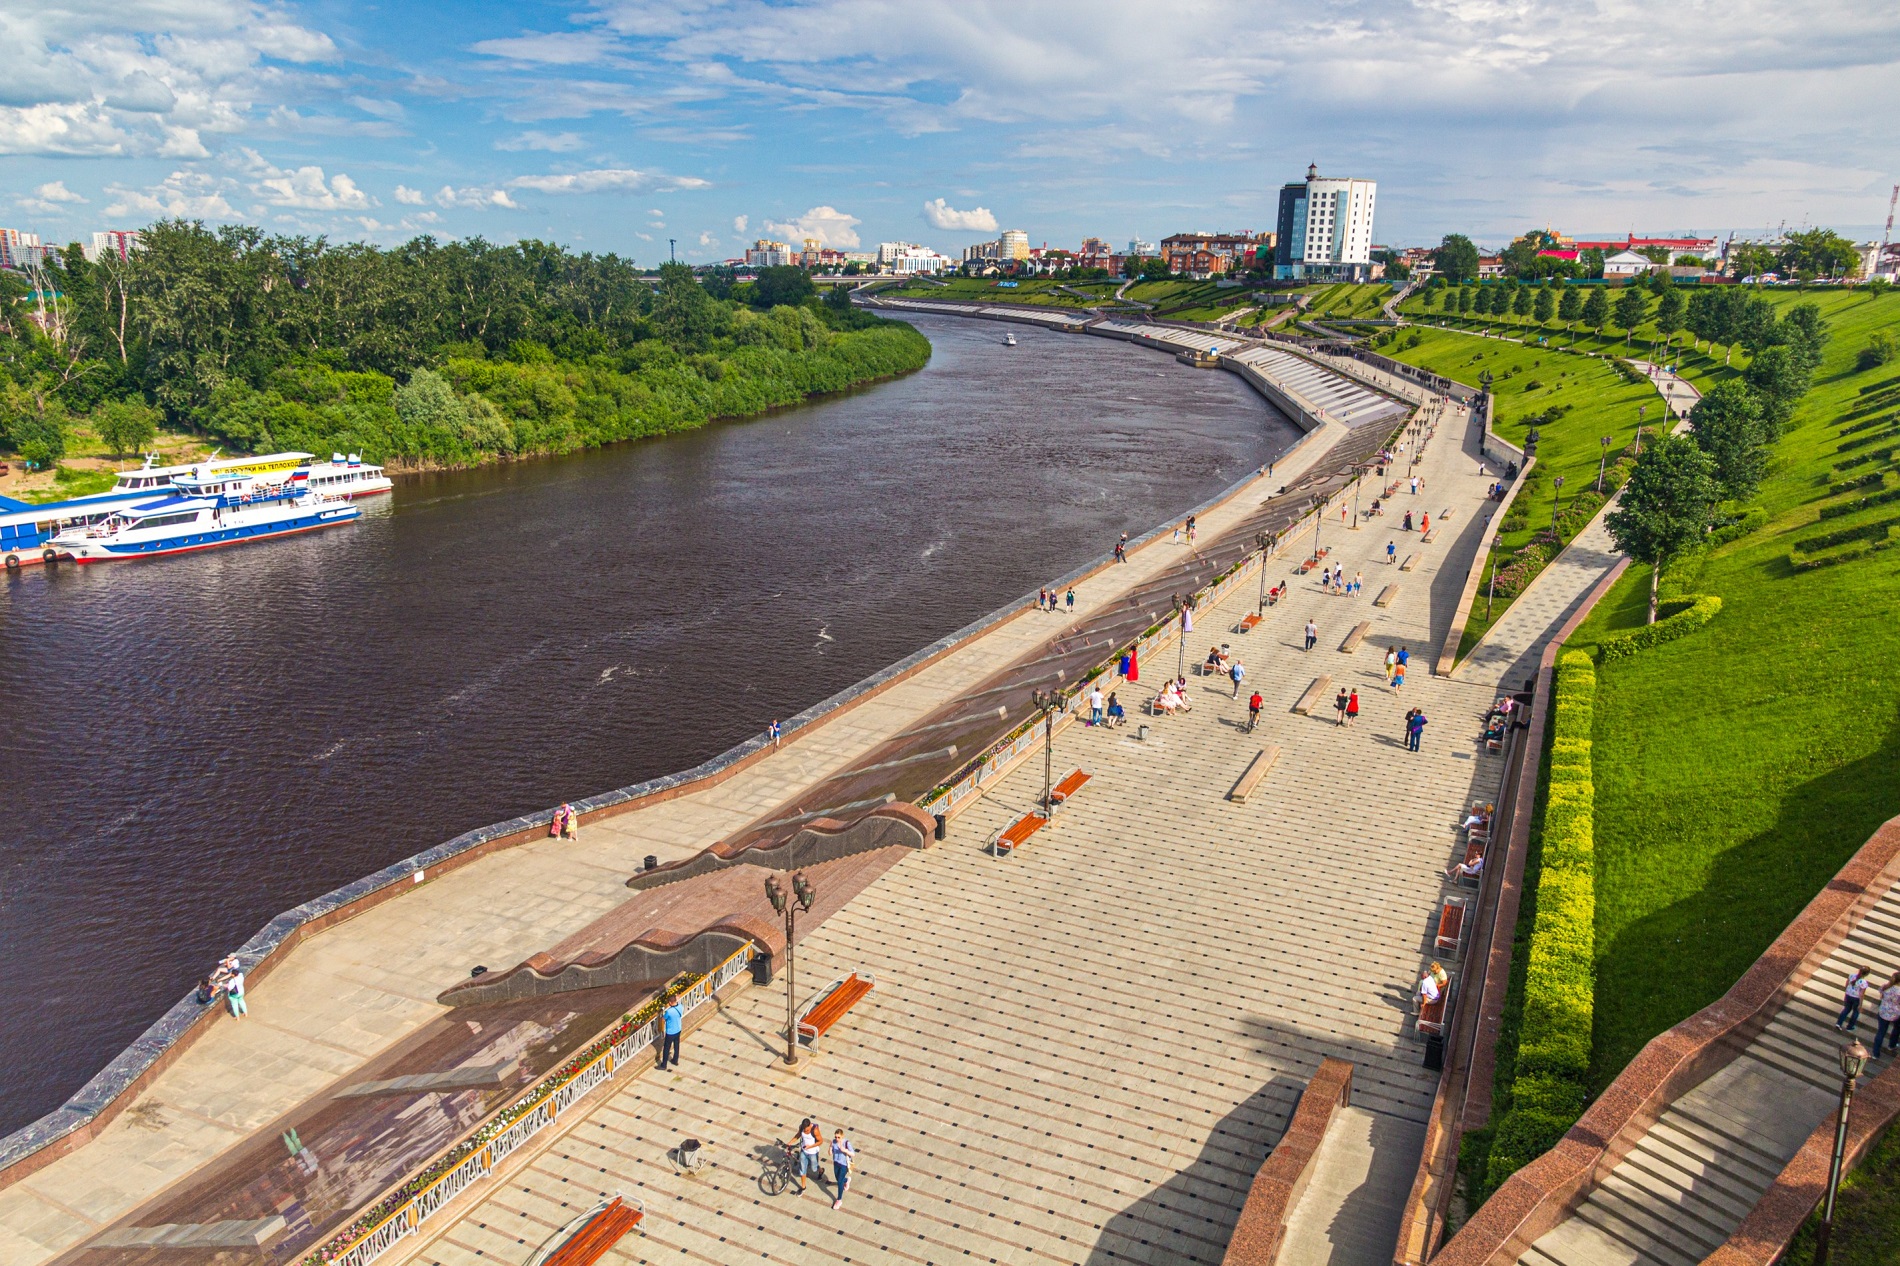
[[549, 1100]]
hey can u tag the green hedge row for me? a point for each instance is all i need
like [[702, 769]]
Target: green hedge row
[[1860, 503], [1698, 613], [1553, 1049], [1865, 532]]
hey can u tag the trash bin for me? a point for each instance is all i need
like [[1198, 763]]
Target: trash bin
[[652, 862], [1435, 1052], [689, 1154], [1141, 733], [943, 826], [761, 969]]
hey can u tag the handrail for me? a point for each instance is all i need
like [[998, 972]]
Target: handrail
[[398, 1215]]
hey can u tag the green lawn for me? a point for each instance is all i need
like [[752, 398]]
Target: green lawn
[[1362, 302], [1526, 382], [1739, 767]]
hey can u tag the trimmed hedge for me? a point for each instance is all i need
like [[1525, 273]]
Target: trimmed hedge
[[1552, 1068], [1753, 521], [1699, 612]]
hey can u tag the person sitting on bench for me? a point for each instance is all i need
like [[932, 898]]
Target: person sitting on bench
[[1431, 984], [1480, 816], [1465, 870]]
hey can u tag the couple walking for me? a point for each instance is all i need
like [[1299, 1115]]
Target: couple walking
[[811, 1152], [1860, 982]]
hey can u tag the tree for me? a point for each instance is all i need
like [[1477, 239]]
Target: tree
[[1544, 306], [1456, 259], [1818, 253], [1521, 300], [1779, 380], [782, 284], [1570, 305], [683, 313], [1803, 331], [1596, 309], [1631, 308], [1465, 300], [1729, 424], [1591, 263], [1669, 313], [125, 426], [1750, 259], [1879, 350], [1665, 506]]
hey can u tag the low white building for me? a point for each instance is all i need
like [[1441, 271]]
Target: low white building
[[1626, 264], [917, 259]]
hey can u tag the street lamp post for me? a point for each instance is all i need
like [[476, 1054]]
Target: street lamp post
[[1605, 441], [1181, 608], [1048, 702], [1556, 501], [1265, 541], [1641, 411], [1358, 479], [1491, 590], [1318, 502], [1853, 1061], [800, 898]]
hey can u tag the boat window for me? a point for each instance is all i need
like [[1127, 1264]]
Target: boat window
[[166, 520]]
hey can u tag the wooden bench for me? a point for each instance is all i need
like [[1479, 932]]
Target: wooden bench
[[1385, 596], [1445, 513], [1451, 924], [1314, 693], [1474, 849], [1432, 1015], [1411, 561], [839, 998], [1426, 537], [600, 1232], [1008, 841], [1355, 637], [1249, 622], [1071, 783], [1256, 769]]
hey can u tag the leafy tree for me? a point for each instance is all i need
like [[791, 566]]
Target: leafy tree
[[683, 313], [1665, 506], [1669, 314], [1879, 350], [1544, 306], [1751, 259], [125, 426], [1596, 310], [783, 284], [1465, 301], [1779, 379], [1570, 305], [1802, 330], [1155, 268], [1591, 262], [1631, 308], [1729, 424], [1456, 259], [1521, 300], [1818, 253]]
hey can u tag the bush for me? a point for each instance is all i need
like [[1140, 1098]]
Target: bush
[[125, 426], [1552, 1064], [1699, 612], [1860, 503], [1879, 350]]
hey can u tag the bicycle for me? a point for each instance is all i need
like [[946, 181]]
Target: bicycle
[[781, 1169]]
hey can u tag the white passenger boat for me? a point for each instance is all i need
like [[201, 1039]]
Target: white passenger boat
[[204, 512], [348, 477], [152, 475], [1009, 340]]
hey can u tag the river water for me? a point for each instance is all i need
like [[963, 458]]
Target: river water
[[189, 746]]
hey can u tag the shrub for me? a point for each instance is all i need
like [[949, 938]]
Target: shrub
[[1879, 350], [1699, 612], [1860, 503]]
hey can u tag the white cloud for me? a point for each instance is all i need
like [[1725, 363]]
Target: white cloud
[[943, 216], [615, 179], [50, 198], [62, 128], [450, 196], [738, 223], [557, 49], [191, 194], [707, 239], [408, 196], [305, 188], [553, 142], [828, 226]]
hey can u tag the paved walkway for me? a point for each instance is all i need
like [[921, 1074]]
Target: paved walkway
[[350, 994], [1083, 1053]]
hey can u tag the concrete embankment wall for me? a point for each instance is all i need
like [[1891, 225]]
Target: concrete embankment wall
[[118, 1084]]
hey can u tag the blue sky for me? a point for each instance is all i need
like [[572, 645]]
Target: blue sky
[[618, 124]]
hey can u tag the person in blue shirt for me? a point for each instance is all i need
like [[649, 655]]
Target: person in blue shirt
[[1414, 729], [671, 1020]]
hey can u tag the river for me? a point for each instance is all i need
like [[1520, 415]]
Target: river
[[189, 746]]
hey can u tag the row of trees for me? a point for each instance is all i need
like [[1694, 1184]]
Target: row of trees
[[200, 326], [1679, 482], [1804, 253]]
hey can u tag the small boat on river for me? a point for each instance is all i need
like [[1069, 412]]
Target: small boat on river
[[1009, 339], [203, 512]]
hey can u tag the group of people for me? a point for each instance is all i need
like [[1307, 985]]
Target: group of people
[[1333, 580], [1861, 982], [566, 823], [1397, 660], [1187, 529], [1049, 600], [812, 1150], [1105, 711], [1405, 525], [1173, 698], [1346, 704], [228, 980]]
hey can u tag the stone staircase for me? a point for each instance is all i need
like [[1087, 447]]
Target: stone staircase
[[1686, 1186]]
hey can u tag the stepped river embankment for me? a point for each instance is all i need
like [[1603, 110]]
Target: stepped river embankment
[[191, 746]]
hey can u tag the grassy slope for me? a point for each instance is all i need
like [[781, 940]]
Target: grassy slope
[[1601, 403], [1346, 300], [1738, 768]]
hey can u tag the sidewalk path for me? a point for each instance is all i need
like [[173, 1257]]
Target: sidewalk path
[[1083, 1053]]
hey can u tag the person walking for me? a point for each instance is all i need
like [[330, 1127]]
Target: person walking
[[1339, 708], [234, 994], [1071, 602], [1116, 716], [1042, 598], [1425, 523], [1857, 982], [672, 1019], [1312, 634], [1398, 678], [1358, 583], [1095, 706], [1415, 730], [1352, 709], [842, 1154], [811, 1148], [1254, 705], [1888, 1030], [772, 732], [1237, 672], [1414, 485], [1391, 552]]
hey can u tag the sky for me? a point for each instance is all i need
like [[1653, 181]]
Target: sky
[[617, 125]]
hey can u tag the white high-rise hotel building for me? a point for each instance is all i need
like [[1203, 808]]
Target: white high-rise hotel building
[[1325, 229]]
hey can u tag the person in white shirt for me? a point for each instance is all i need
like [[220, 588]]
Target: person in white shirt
[[234, 994], [1095, 706], [1858, 982], [842, 1154]]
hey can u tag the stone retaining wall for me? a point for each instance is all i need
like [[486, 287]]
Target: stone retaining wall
[[1261, 1230]]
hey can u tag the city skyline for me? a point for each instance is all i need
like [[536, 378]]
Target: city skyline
[[616, 126]]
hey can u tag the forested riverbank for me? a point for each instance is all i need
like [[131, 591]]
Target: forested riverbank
[[421, 356]]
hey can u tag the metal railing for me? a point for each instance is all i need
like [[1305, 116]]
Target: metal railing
[[538, 1109]]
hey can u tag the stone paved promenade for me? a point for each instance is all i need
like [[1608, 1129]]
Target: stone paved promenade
[[1082, 1053]]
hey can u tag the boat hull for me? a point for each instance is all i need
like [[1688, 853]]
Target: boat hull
[[193, 542]]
